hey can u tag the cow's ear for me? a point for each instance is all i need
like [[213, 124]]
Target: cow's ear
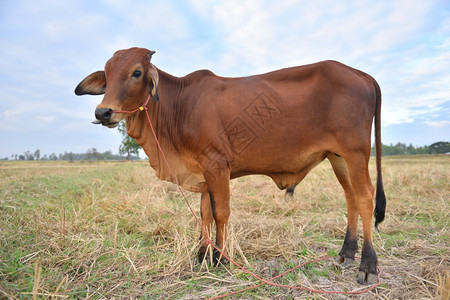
[[153, 78], [94, 84]]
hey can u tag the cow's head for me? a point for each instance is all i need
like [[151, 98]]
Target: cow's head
[[126, 82]]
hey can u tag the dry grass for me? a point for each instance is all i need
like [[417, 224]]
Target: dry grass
[[112, 230]]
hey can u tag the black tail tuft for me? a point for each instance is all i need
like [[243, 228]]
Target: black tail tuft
[[380, 204]]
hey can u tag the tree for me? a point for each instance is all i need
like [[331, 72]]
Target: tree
[[70, 156], [37, 154], [92, 154], [129, 145], [439, 148], [107, 155], [28, 155]]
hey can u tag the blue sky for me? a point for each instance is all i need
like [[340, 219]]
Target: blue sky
[[48, 47]]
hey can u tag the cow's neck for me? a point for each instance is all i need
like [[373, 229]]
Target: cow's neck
[[164, 117]]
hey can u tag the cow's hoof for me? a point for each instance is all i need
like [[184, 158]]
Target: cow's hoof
[[218, 258], [372, 279], [345, 262], [348, 262], [369, 279], [201, 256]]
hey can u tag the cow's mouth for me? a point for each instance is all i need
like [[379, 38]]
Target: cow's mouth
[[106, 124], [104, 116]]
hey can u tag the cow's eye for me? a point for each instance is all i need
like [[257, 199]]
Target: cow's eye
[[136, 74]]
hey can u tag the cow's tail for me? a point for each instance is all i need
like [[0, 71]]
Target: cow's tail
[[380, 198]]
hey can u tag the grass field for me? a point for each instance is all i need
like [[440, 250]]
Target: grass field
[[112, 230]]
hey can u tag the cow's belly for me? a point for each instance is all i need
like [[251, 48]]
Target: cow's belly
[[285, 169]]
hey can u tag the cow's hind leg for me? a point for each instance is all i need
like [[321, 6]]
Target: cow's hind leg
[[207, 216], [347, 254], [364, 191]]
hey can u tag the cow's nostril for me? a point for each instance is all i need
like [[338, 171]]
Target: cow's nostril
[[103, 114]]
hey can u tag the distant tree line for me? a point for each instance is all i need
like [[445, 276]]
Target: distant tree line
[[403, 149], [91, 154]]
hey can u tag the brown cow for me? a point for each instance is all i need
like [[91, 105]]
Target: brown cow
[[280, 124]]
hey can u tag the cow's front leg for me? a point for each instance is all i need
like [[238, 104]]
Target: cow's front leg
[[206, 214], [219, 194]]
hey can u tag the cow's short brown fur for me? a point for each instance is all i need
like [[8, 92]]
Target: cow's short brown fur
[[280, 124]]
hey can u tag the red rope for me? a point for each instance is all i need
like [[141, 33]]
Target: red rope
[[208, 240]]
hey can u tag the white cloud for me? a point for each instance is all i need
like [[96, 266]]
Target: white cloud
[[149, 20], [265, 34], [419, 86], [45, 119], [439, 124]]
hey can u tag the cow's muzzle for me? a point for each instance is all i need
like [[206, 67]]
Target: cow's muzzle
[[103, 116]]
